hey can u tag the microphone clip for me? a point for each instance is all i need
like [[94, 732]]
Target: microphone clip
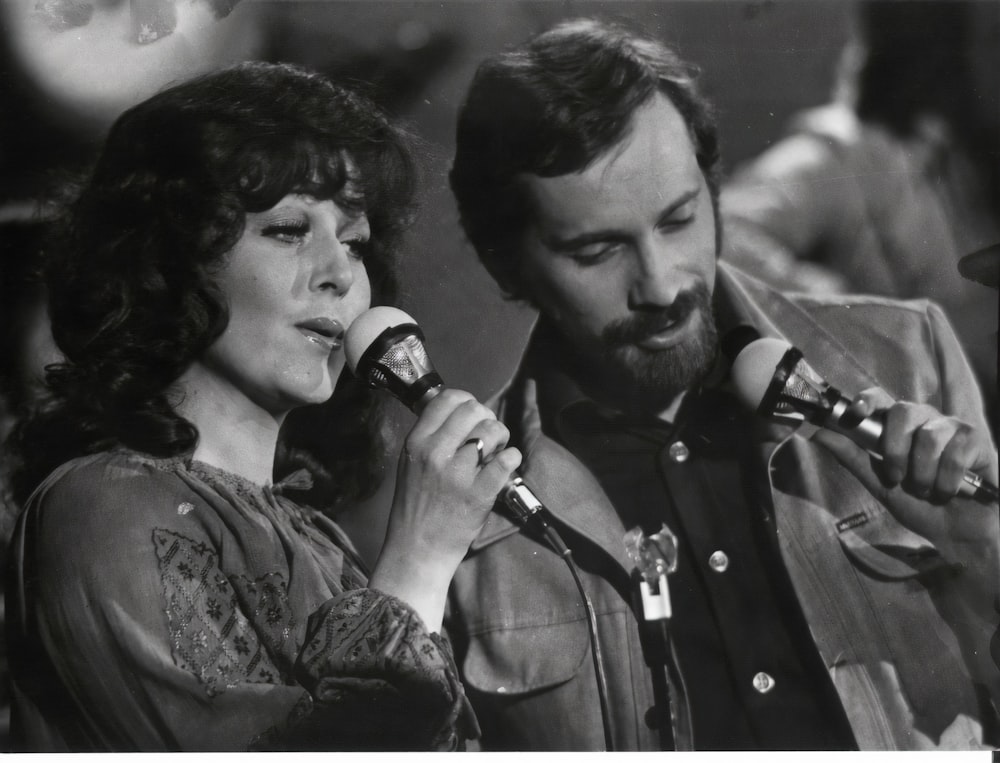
[[655, 557]]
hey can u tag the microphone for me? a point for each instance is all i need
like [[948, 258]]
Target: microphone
[[772, 378], [384, 347]]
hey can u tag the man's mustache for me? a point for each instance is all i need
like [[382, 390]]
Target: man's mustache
[[637, 327]]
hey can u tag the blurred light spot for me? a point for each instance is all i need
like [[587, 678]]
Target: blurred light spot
[[413, 35]]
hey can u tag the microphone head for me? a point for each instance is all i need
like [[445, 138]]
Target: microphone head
[[384, 346], [773, 379], [366, 328], [754, 368]]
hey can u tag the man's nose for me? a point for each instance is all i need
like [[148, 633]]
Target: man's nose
[[656, 281]]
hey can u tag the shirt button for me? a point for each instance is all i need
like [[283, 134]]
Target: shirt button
[[718, 561], [763, 683], [652, 718], [679, 452]]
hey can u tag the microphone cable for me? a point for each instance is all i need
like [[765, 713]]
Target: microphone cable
[[537, 523]]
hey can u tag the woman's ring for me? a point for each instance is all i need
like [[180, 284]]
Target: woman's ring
[[478, 442]]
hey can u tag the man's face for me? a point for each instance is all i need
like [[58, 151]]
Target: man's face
[[621, 259]]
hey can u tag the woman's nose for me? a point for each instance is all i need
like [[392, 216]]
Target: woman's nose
[[332, 268]]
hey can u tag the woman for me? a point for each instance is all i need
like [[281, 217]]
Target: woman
[[165, 596]]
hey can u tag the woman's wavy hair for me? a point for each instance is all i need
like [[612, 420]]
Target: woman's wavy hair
[[132, 296]]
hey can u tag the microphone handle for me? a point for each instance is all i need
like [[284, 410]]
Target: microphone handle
[[516, 496], [867, 431]]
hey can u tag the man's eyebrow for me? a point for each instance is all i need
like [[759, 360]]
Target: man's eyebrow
[[557, 244]]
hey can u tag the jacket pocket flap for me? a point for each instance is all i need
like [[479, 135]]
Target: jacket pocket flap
[[521, 660], [888, 550]]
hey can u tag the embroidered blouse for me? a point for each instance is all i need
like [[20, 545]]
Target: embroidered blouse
[[164, 604]]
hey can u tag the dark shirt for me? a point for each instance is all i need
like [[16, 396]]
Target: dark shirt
[[753, 676]]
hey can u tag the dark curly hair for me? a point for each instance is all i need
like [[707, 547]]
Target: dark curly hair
[[551, 107], [132, 297]]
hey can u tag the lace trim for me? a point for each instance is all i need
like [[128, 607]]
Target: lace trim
[[209, 634], [243, 487]]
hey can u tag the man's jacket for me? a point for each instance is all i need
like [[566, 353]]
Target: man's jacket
[[907, 657]]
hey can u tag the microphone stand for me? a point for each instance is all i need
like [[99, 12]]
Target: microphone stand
[[655, 557]]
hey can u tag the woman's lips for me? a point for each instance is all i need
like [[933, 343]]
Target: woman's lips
[[326, 332]]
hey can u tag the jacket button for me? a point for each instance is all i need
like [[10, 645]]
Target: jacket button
[[718, 561], [763, 683], [652, 718], [678, 452]]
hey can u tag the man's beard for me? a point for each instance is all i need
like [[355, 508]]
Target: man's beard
[[651, 379]]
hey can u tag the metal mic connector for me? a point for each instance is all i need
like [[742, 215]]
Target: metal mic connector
[[529, 511]]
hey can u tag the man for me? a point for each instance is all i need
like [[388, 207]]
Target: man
[[817, 603]]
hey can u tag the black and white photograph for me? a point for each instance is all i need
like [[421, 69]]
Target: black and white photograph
[[500, 376]]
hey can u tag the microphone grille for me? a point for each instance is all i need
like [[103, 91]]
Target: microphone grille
[[384, 347], [366, 328], [406, 359]]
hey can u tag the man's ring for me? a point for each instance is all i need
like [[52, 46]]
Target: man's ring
[[478, 442]]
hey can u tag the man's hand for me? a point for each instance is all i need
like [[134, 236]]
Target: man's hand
[[924, 455], [924, 451]]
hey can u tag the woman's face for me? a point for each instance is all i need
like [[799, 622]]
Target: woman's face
[[294, 282]]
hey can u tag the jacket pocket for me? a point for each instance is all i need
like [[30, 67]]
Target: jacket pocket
[[884, 548], [525, 659]]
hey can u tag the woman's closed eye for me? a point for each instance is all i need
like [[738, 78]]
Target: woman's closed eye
[[357, 246], [287, 231]]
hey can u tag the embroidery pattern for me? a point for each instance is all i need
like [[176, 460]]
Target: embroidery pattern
[[371, 651], [267, 597], [209, 634]]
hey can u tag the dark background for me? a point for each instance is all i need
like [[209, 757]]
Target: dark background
[[60, 85]]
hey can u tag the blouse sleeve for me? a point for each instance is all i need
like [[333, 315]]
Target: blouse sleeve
[[370, 662], [128, 636]]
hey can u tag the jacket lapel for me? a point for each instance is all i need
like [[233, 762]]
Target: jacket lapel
[[565, 487]]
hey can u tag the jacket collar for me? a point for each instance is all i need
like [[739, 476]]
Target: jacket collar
[[568, 489]]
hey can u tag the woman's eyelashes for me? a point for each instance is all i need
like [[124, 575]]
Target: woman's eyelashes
[[286, 231], [356, 246], [317, 228]]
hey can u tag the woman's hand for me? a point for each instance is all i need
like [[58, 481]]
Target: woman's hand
[[443, 497]]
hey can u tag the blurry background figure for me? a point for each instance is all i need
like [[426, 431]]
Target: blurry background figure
[[26, 347], [884, 189]]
